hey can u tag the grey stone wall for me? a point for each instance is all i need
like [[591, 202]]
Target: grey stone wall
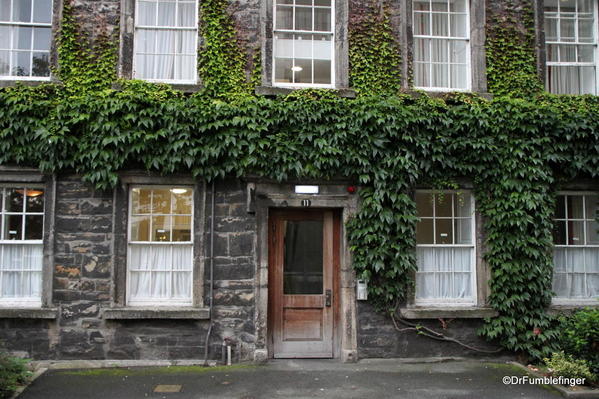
[[83, 280], [378, 338]]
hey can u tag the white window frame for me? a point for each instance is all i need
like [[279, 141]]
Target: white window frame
[[313, 32], [174, 28], [576, 43], [159, 302], [21, 302], [32, 24], [575, 301], [466, 40], [453, 302]]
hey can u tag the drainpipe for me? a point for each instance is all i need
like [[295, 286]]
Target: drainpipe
[[211, 273]]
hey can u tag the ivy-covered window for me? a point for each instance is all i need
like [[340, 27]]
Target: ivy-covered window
[[25, 37], [303, 43], [571, 40], [445, 248], [166, 34], [21, 245], [576, 253], [441, 44], [160, 253]]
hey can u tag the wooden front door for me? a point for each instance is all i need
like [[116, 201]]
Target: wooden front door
[[301, 283]]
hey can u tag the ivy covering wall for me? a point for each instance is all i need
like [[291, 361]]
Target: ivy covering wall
[[517, 151]]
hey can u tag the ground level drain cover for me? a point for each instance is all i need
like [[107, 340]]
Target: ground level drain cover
[[167, 388]]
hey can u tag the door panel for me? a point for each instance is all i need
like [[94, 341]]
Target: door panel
[[301, 283]]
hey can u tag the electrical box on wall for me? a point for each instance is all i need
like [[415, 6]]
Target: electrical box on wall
[[362, 290]]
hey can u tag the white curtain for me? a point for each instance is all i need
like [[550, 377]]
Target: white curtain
[[21, 270], [444, 273], [576, 272], [160, 272], [166, 54]]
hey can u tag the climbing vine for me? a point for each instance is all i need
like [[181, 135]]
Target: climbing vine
[[511, 57], [374, 56], [516, 150]]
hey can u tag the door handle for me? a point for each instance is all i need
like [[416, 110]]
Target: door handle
[[328, 296]]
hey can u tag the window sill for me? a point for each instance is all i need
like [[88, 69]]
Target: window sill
[[447, 313], [443, 94], [283, 91], [26, 82], [28, 313], [133, 313], [560, 308], [185, 88]]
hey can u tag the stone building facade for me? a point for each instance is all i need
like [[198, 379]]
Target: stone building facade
[[85, 311]]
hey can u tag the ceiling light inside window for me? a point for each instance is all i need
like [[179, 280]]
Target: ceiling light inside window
[[178, 190], [297, 68]]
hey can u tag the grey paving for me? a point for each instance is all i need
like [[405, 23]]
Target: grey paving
[[292, 379]]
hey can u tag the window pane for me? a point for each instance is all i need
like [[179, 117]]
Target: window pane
[[42, 11], [283, 73], [421, 49], [166, 14], [13, 227], [457, 51], [147, 13], [322, 71], [560, 207], [443, 231], [182, 201], [567, 53], [575, 233], [421, 5], [585, 30], [41, 38], [181, 228], [303, 73], [567, 30], [424, 232], [161, 228], [421, 75], [463, 231], [141, 201], [440, 75], [22, 11], [424, 204], [439, 5], [21, 63], [457, 5], [587, 80], [34, 227], [585, 6], [14, 200], [186, 43], [322, 19], [182, 257], [592, 233], [161, 201], [5, 10], [326, 3], [41, 64], [140, 228], [303, 18], [161, 257], [459, 27], [182, 285], [439, 50], [551, 29], [303, 257], [440, 24], [592, 207], [5, 38], [22, 37], [443, 204], [458, 76], [575, 207], [322, 47], [462, 205], [284, 17], [187, 15], [559, 233], [422, 23]]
